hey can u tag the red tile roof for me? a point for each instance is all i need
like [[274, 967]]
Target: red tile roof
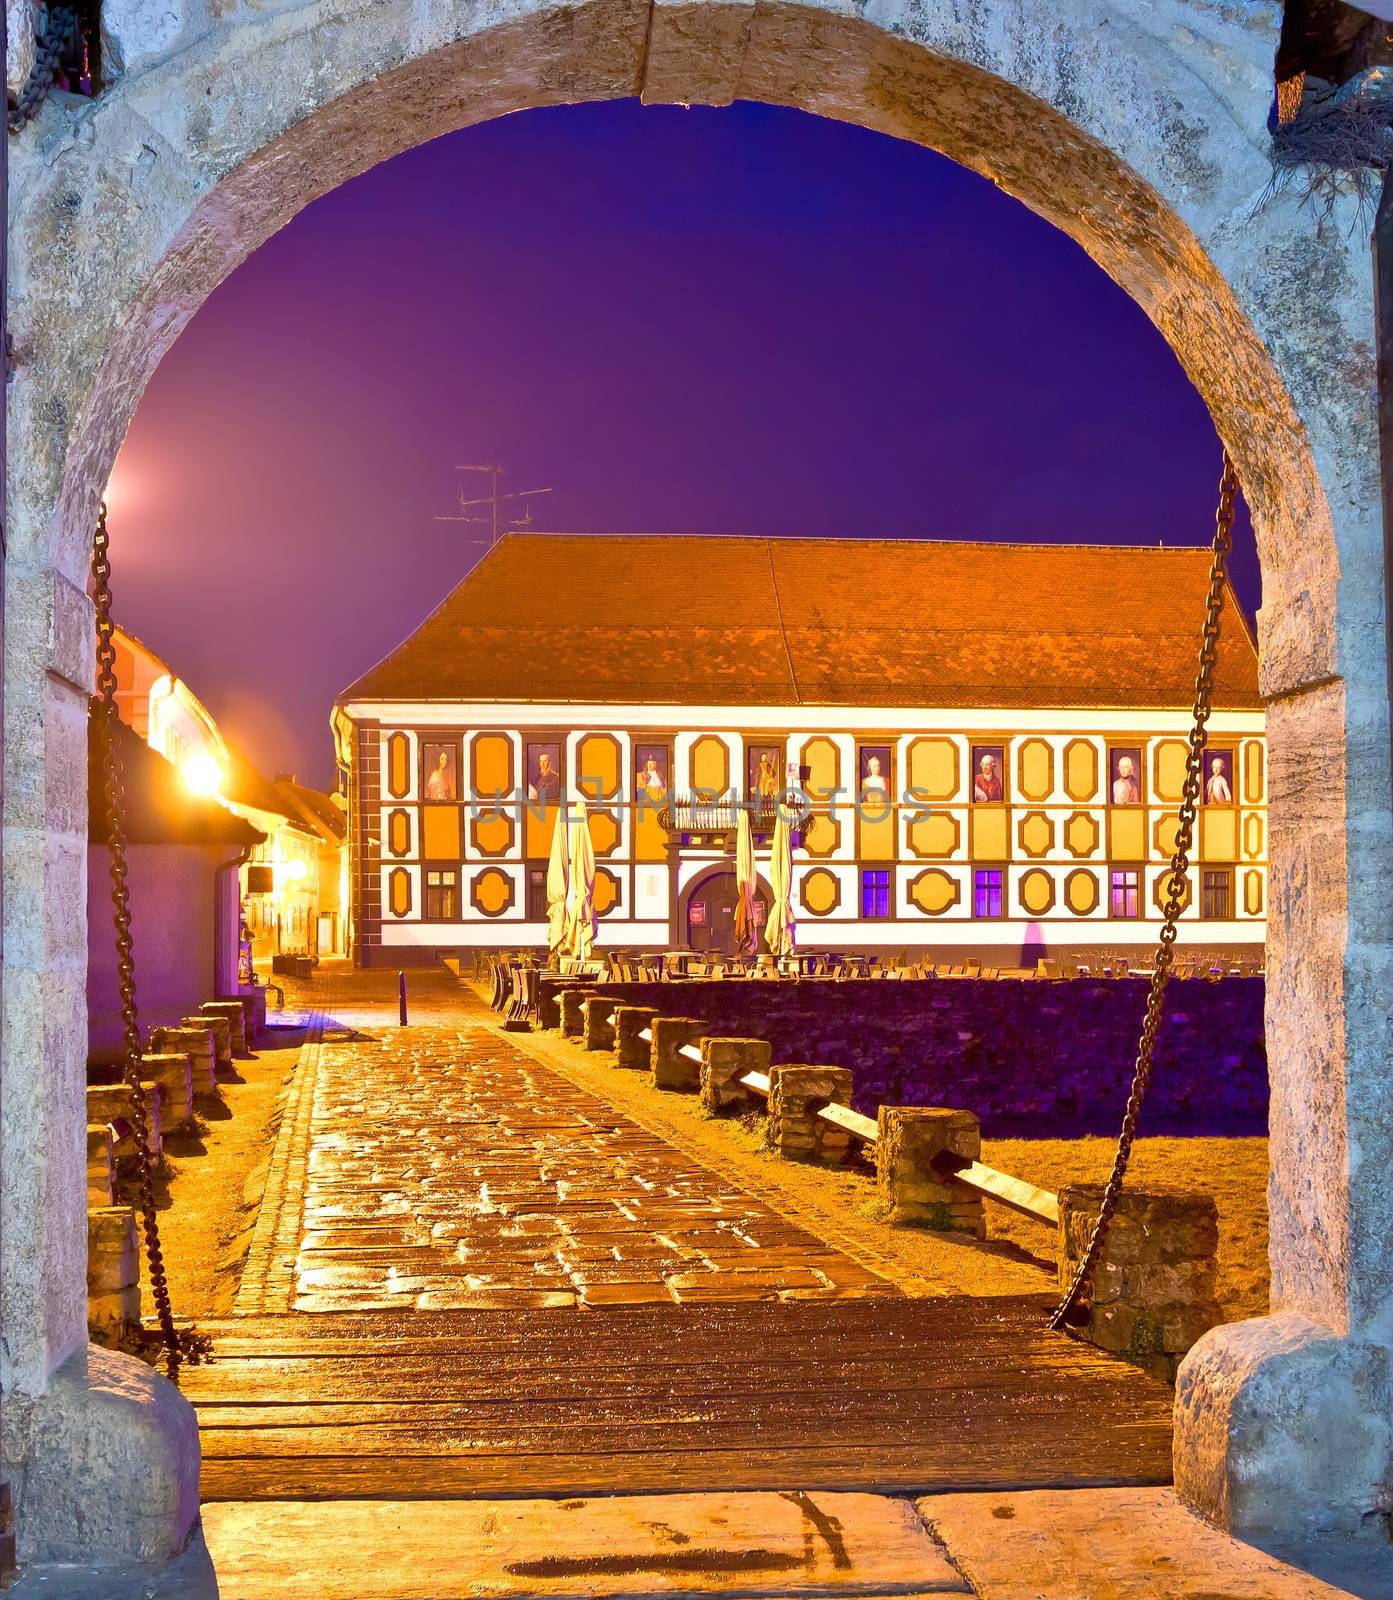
[[705, 621]]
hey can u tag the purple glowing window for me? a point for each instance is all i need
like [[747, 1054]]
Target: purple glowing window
[[1125, 885], [986, 892], [875, 891]]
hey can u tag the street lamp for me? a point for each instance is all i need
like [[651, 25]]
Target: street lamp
[[203, 774]]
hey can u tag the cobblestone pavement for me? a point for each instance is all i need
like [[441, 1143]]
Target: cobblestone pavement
[[440, 1166]]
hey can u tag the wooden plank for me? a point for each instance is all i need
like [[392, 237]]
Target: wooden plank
[[859, 1127], [1040, 1205], [758, 1081], [691, 1052]]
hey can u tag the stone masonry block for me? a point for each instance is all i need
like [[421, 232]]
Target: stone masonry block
[[198, 1044], [797, 1092], [908, 1139], [113, 1259], [235, 1014], [572, 1016], [175, 1076], [222, 1037], [101, 1165], [1153, 1292], [723, 1063], [671, 1069], [548, 1005], [631, 1052], [598, 1032]]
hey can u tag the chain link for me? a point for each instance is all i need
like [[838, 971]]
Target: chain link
[[57, 31], [1067, 1311], [179, 1344]]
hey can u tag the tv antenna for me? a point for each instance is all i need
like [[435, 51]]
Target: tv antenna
[[491, 500]]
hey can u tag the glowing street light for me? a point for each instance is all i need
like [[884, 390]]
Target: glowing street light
[[203, 775], [295, 872]]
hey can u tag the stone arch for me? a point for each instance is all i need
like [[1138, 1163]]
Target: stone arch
[[1137, 127], [704, 880]]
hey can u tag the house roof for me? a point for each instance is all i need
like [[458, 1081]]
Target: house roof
[[741, 621], [316, 808], [159, 809]]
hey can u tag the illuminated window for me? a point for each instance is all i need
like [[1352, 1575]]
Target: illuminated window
[[1125, 892], [442, 895], [1216, 894], [536, 894], [875, 891], [986, 892]]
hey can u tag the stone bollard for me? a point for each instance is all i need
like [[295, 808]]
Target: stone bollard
[[1153, 1293], [235, 1014], [598, 1031], [631, 1052], [113, 1268], [915, 1191], [670, 1069], [797, 1092], [175, 1076], [222, 1040], [112, 1104], [723, 1063], [253, 1013], [572, 1017], [101, 1166], [198, 1045], [548, 1005]]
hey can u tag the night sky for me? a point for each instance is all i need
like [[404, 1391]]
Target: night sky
[[738, 321]]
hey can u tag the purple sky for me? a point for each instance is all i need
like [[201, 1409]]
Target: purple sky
[[737, 321]]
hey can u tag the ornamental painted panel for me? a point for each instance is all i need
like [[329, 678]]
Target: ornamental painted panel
[[934, 834], [1252, 893], [491, 892], [820, 892], [606, 891], [991, 840], [491, 764], [710, 765], [492, 833], [822, 835], [398, 833], [1080, 769], [824, 763], [398, 765], [1162, 889], [934, 892], [440, 833], [1081, 834], [1127, 833], [399, 892], [599, 766], [1036, 833], [933, 769], [1081, 892], [1252, 772], [1219, 833], [1035, 769], [1252, 836], [1165, 832], [1037, 891], [604, 832], [1168, 768]]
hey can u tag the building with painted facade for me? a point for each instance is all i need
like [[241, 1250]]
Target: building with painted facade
[[986, 744]]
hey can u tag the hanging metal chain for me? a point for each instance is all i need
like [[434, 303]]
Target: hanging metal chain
[[56, 31], [1176, 895], [185, 1344]]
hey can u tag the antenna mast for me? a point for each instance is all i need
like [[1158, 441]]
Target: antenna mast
[[491, 500]]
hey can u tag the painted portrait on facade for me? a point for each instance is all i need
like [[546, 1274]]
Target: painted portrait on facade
[[650, 773], [1218, 778], [764, 771], [440, 772], [988, 774], [1124, 775], [544, 773], [873, 772]]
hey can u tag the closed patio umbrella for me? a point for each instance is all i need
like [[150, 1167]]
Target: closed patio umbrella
[[558, 884], [581, 940], [745, 936], [779, 930]]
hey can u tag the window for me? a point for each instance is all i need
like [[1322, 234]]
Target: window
[[875, 892], [986, 892], [536, 894], [1216, 889], [441, 887], [1125, 898]]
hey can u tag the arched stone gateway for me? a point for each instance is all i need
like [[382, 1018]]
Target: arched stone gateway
[[1138, 127]]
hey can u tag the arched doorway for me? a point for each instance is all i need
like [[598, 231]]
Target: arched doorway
[[708, 911], [1143, 139]]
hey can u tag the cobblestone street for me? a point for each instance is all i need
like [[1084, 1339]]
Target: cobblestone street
[[439, 1166]]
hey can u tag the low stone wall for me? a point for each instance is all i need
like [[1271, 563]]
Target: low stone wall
[[1033, 1059]]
